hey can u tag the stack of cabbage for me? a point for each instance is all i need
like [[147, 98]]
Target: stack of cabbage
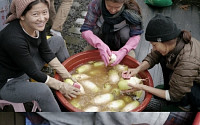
[[101, 86]]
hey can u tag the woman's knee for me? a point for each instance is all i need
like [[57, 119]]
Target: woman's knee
[[46, 99], [124, 34], [58, 40], [44, 90], [44, 93], [55, 43]]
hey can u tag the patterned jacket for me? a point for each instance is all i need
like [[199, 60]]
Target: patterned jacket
[[93, 15]]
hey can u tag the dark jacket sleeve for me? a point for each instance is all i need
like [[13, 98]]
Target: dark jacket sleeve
[[17, 50], [185, 73], [153, 58], [92, 16], [44, 49], [182, 79]]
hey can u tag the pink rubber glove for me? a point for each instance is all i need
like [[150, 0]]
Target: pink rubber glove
[[131, 44], [96, 42], [76, 85], [120, 55]]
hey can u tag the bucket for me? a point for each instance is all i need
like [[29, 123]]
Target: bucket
[[4, 9], [197, 119], [93, 55]]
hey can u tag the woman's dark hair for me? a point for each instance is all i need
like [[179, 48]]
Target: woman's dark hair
[[186, 36], [30, 6], [130, 4], [117, 1], [34, 3]]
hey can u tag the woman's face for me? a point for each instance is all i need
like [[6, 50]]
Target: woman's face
[[36, 18], [113, 7], [160, 47]]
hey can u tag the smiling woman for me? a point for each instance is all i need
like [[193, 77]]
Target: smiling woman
[[34, 19], [24, 50]]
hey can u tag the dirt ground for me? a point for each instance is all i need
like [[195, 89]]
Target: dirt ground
[[74, 42]]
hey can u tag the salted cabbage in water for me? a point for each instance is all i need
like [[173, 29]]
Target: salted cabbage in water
[[83, 68], [69, 81], [75, 103], [91, 109], [80, 76], [103, 86], [106, 87], [131, 106], [90, 86], [115, 105], [99, 63], [113, 76], [123, 84], [102, 99], [113, 57], [120, 67]]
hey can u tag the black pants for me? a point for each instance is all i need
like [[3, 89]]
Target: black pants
[[115, 40]]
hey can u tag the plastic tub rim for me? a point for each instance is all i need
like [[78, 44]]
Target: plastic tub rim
[[70, 107]]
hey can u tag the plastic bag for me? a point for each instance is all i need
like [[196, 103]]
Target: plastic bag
[[159, 3]]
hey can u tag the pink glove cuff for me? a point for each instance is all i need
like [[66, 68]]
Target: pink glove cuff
[[91, 38], [120, 55], [97, 43], [131, 43]]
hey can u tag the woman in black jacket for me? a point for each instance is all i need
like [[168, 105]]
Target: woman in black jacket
[[24, 50]]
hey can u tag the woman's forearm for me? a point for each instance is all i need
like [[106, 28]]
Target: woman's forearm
[[143, 66], [157, 92]]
